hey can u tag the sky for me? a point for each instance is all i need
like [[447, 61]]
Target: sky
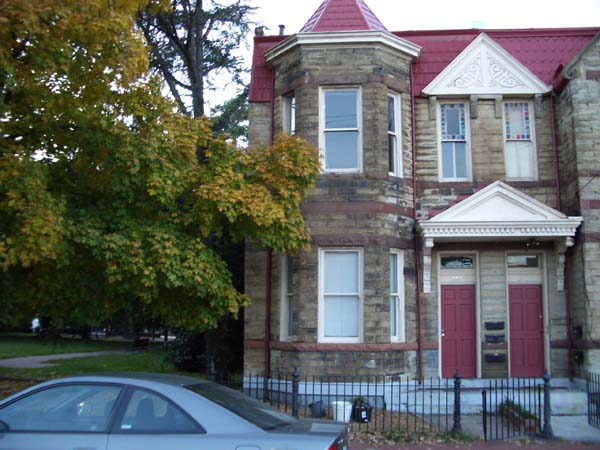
[[400, 15]]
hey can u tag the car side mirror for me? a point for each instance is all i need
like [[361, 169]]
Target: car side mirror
[[3, 426]]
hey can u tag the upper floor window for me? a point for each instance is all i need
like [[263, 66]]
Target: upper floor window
[[455, 157], [519, 147], [287, 297], [397, 296], [340, 295], [394, 135], [340, 125], [288, 109]]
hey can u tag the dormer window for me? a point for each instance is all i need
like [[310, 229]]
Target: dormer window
[[454, 157], [340, 124], [519, 146]]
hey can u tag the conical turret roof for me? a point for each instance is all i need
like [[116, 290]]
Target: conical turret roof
[[343, 15]]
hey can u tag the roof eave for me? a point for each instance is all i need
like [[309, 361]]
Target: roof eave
[[344, 38]]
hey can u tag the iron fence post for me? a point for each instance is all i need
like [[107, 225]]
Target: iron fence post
[[484, 407], [295, 386], [547, 430], [212, 373], [457, 427]]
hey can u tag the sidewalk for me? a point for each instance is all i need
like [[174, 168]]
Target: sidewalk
[[37, 362]]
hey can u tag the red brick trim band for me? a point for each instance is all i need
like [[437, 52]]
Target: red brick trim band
[[316, 347], [592, 75], [360, 240], [588, 173], [590, 204], [355, 208], [479, 185], [591, 237]]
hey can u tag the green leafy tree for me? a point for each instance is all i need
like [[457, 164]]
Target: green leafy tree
[[102, 201]]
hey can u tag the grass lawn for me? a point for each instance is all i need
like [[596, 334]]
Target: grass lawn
[[14, 345]]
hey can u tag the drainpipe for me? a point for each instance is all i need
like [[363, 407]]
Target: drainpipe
[[566, 268], [417, 244]]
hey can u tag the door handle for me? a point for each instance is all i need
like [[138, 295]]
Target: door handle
[[443, 333]]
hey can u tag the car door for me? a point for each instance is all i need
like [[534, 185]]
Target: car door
[[149, 420], [68, 416]]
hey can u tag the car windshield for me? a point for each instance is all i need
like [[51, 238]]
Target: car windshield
[[258, 413]]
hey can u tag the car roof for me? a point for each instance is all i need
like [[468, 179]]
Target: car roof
[[128, 377]]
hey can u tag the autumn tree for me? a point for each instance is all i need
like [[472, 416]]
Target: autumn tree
[[102, 201]]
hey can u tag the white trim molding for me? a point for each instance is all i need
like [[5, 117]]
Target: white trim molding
[[498, 213], [485, 68], [344, 38]]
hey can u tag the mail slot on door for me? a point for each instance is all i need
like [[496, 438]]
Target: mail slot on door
[[494, 325]]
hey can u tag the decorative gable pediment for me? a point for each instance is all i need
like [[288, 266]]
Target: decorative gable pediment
[[485, 68]]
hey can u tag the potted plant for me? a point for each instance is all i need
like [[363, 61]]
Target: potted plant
[[361, 409]]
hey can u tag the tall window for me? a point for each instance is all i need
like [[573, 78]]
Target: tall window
[[454, 145], [287, 298], [340, 295], [394, 134], [288, 109], [519, 148], [340, 138], [397, 296]]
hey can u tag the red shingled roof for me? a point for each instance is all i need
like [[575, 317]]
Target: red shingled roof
[[342, 15], [542, 51]]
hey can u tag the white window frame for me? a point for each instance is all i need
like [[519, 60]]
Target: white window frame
[[321, 303], [534, 175], [288, 113], [285, 334], [397, 156], [400, 319], [469, 162], [322, 130]]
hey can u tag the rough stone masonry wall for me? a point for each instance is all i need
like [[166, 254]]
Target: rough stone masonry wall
[[368, 210], [487, 147], [579, 139]]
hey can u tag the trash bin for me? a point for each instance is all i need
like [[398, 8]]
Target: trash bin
[[341, 411], [361, 412], [317, 410]]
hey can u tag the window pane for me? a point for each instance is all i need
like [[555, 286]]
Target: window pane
[[523, 261], [448, 160], [519, 159], [341, 273], [147, 411], [393, 315], [341, 316], [290, 114], [460, 153], [391, 114], [393, 273], [392, 154], [289, 278], [73, 408], [289, 296], [457, 262], [341, 150], [340, 109], [453, 121], [516, 116]]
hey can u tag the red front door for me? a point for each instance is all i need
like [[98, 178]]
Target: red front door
[[526, 330], [458, 331]]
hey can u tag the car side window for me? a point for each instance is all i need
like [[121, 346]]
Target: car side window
[[69, 408], [148, 412]]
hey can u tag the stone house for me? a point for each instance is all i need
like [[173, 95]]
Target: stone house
[[456, 221]]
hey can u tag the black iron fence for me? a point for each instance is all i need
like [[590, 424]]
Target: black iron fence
[[593, 399], [512, 407], [394, 404], [406, 407]]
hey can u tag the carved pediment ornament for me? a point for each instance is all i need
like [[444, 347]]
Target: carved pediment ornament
[[469, 76], [501, 76]]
